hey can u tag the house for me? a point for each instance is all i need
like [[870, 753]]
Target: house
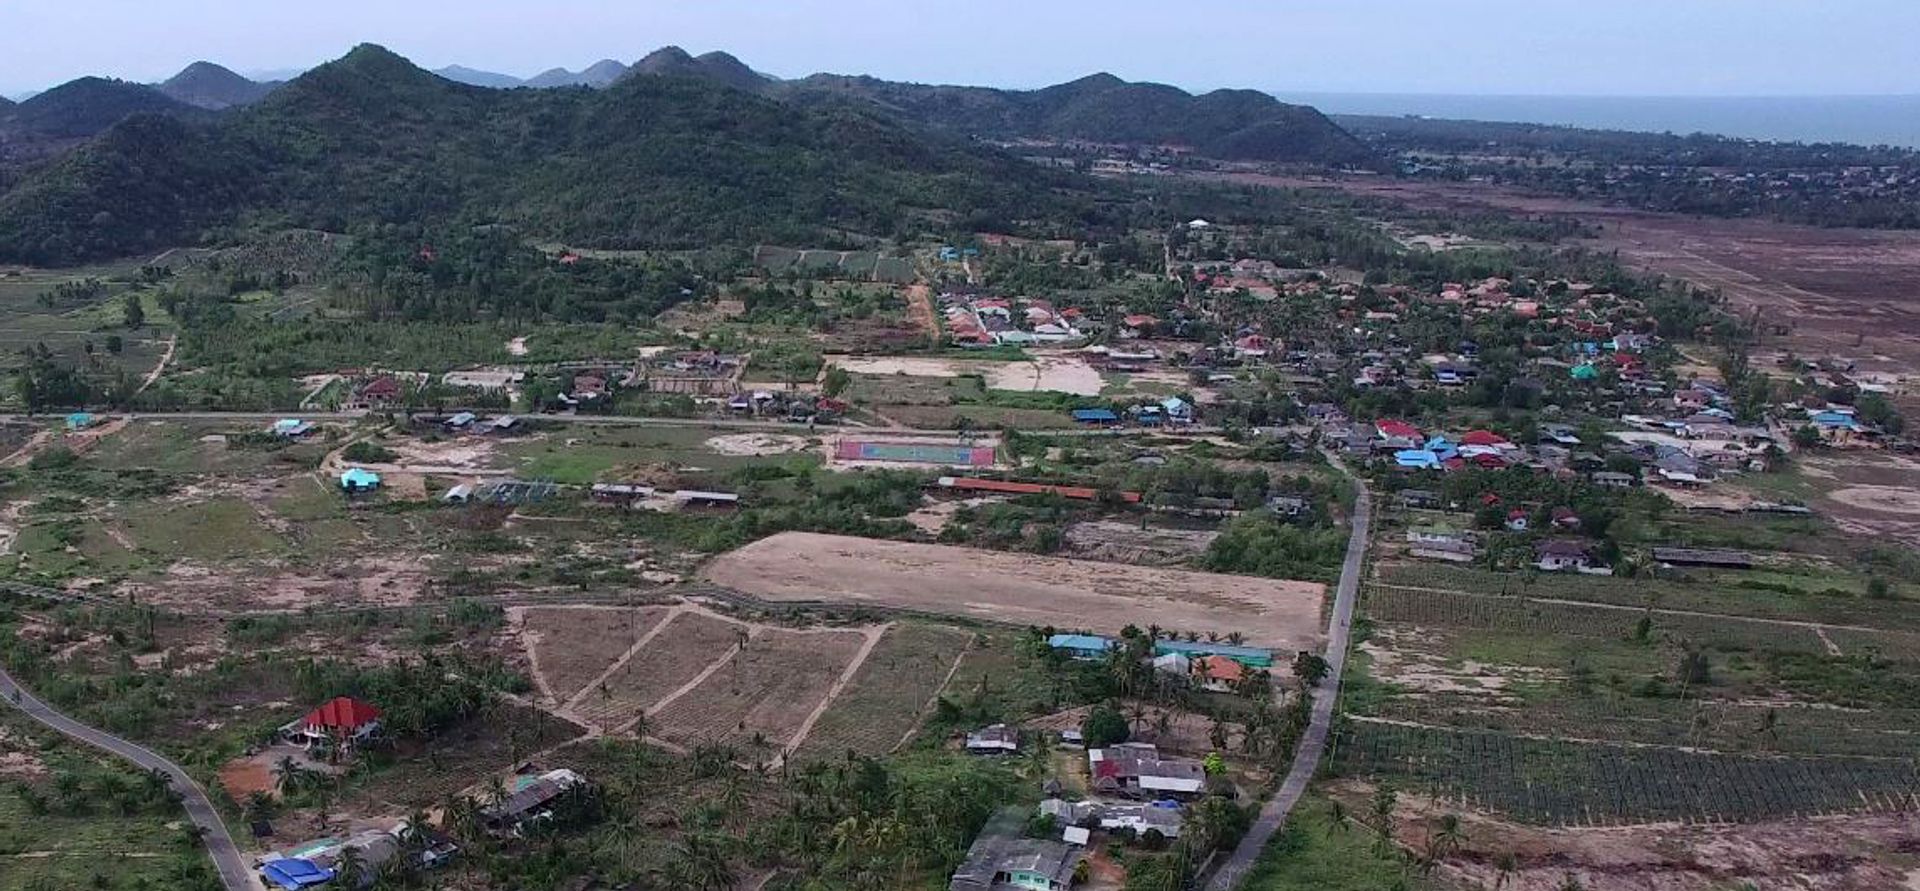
[[1517, 520], [1164, 817], [530, 799], [340, 723], [460, 421], [1560, 554], [1077, 493], [1611, 480], [1173, 665], [1095, 416], [1564, 518], [460, 494], [357, 480], [318, 863], [1419, 498], [619, 493], [1484, 439], [1714, 559], [1085, 647], [1394, 431], [1558, 434], [1137, 769], [1002, 858], [1177, 410], [80, 420], [383, 390], [291, 428], [1217, 674], [997, 739], [500, 424], [1451, 550], [1288, 505], [1251, 657]]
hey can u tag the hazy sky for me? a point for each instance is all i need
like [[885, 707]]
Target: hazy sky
[[1606, 47]]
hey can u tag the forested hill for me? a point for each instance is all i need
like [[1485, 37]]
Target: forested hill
[[84, 107], [1239, 125], [209, 86], [649, 162]]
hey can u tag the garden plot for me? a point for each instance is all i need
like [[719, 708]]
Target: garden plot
[[680, 651], [1123, 542], [571, 646], [765, 693], [883, 703]]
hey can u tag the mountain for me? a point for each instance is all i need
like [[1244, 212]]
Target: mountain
[[209, 86], [720, 68], [84, 107], [478, 78], [1236, 125], [597, 75], [650, 162]]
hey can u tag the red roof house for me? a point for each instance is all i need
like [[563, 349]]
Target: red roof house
[[343, 715], [1483, 438], [1390, 427]]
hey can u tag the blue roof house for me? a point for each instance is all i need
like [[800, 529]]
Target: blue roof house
[[295, 873], [1081, 646], [1177, 409], [1251, 657], [79, 420], [359, 479], [1421, 459], [1095, 416]]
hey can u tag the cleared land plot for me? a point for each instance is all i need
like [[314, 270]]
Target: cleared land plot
[[1508, 613], [573, 646], [883, 702], [1022, 589], [764, 693], [685, 647]]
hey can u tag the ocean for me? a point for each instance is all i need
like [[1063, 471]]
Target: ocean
[[1861, 120]]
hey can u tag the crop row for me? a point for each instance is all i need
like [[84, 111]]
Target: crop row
[[1448, 609], [1553, 782]]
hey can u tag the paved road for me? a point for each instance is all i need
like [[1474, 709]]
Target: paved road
[[1306, 758], [232, 867]]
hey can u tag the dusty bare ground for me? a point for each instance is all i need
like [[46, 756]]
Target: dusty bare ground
[[1062, 373], [372, 581], [1022, 589], [1123, 542], [757, 444], [1853, 853]]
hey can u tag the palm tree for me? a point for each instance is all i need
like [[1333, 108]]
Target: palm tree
[[288, 775], [1442, 839], [1507, 864], [351, 867], [1337, 815]]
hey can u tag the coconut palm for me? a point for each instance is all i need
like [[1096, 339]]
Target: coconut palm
[[289, 776], [351, 867]]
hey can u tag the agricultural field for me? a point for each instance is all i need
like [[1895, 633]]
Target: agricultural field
[[855, 265], [685, 647], [883, 703], [1021, 590], [764, 694], [571, 646]]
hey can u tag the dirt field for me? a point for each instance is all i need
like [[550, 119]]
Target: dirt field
[[1854, 853], [1022, 589], [1062, 373], [570, 647], [1122, 542], [763, 694]]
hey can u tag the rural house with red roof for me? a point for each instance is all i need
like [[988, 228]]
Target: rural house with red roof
[[340, 723]]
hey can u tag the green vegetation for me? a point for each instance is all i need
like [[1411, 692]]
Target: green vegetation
[[1324, 847]]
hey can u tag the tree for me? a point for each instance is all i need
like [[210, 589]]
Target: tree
[[1806, 436], [1310, 668], [1878, 589], [351, 867], [1104, 726], [115, 344], [132, 311], [289, 776], [835, 382], [1506, 864]]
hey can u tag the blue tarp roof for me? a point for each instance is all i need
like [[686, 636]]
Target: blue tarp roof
[[288, 423], [1834, 419], [1079, 642], [294, 873], [1094, 414], [1416, 458], [359, 478]]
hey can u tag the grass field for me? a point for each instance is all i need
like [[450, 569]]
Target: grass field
[[217, 529], [1312, 853], [587, 454], [87, 840]]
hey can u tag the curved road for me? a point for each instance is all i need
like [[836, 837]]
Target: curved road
[[233, 870], [1306, 758]]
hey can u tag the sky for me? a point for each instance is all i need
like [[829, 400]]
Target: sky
[[1525, 47]]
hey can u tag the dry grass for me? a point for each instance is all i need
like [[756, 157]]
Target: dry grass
[[684, 648], [760, 698], [889, 692]]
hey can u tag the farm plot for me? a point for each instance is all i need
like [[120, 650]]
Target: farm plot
[[1444, 609], [685, 647], [1022, 589], [1551, 782], [883, 702], [763, 694], [570, 646]]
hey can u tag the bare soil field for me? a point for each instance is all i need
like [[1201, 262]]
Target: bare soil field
[[1853, 853], [1061, 373], [764, 693], [570, 647], [895, 684], [1021, 589], [684, 648], [1848, 292], [1123, 542]]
